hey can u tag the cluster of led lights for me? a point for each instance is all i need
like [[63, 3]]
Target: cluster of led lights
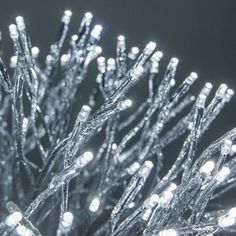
[[163, 200]]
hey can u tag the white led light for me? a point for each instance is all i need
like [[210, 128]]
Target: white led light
[[133, 168], [125, 104], [201, 101], [94, 205], [68, 13], [226, 221], [232, 212], [168, 232], [151, 201], [88, 156], [221, 91], [191, 78], [35, 52], [66, 17], [88, 15], [13, 32], [21, 230], [156, 57], [84, 113], [172, 82], [223, 174], [13, 61], [114, 146], [172, 187], [229, 94], [111, 64], [64, 59], [150, 47], [146, 214], [135, 50], [226, 147], [146, 168], [208, 167], [67, 219], [121, 38], [20, 23], [137, 71], [14, 218], [174, 61], [96, 32]]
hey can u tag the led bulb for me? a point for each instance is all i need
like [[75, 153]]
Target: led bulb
[[232, 212], [21, 230], [174, 61], [133, 168], [226, 221], [111, 64], [134, 51], [208, 167], [35, 52], [96, 32], [125, 104], [20, 23], [14, 218], [13, 32], [13, 61], [220, 92], [146, 168], [64, 59], [222, 174], [191, 78], [146, 214], [150, 47], [94, 205], [151, 201], [226, 147], [67, 219], [84, 113], [66, 16], [168, 232]]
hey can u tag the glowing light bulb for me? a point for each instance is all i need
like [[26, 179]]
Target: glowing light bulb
[[232, 212], [226, 221], [21, 230], [20, 23], [13, 32], [114, 146], [133, 168], [151, 201], [111, 64], [67, 219], [14, 218], [125, 104], [146, 214], [13, 61], [84, 113], [168, 232], [226, 147], [220, 92], [134, 51], [223, 174], [64, 59], [208, 167], [174, 61], [191, 78], [94, 205], [150, 47]]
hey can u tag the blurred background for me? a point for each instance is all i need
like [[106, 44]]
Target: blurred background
[[202, 34]]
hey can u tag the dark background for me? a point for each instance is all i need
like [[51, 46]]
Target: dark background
[[201, 33]]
